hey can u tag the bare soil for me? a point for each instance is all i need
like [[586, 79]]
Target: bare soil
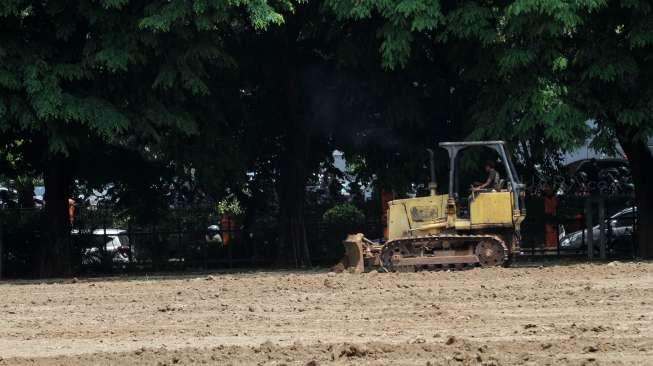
[[554, 314]]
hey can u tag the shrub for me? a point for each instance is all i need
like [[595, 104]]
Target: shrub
[[343, 218]]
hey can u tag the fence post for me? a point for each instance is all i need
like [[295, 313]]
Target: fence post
[[252, 243], [602, 228], [588, 227], [156, 248], [230, 253], [634, 236], [558, 237], [131, 248], [1, 253], [231, 242], [69, 253], [184, 250], [105, 262]]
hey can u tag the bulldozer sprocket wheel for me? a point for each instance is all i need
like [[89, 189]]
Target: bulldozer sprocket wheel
[[490, 253], [401, 249]]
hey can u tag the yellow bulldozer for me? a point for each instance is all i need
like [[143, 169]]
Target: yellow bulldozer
[[441, 231]]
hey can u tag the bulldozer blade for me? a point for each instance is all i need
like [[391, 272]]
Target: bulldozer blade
[[354, 253]]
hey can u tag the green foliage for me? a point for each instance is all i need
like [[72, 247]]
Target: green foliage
[[546, 65], [343, 216], [230, 205], [261, 14], [97, 67], [472, 21], [593, 56], [400, 18]]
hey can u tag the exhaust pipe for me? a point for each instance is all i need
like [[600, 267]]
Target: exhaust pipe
[[433, 186]]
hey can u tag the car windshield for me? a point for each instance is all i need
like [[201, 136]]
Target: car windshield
[[124, 240], [625, 212], [626, 218], [101, 240], [39, 191]]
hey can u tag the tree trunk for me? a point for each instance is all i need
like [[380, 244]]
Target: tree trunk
[[294, 160], [641, 161], [293, 246], [55, 248], [26, 194]]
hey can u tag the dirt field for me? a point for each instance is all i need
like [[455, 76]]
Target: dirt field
[[575, 314]]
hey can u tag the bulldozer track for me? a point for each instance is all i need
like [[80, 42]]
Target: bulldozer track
[[412, 256]]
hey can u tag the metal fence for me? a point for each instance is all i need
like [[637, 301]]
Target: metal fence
[[105, 240], [558, 226]]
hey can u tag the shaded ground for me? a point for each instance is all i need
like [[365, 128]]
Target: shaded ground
[[594, 314]]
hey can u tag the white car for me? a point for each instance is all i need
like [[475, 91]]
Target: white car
[[619, 230], [112, 244]]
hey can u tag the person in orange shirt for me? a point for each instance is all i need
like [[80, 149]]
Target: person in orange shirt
[[71, 210]]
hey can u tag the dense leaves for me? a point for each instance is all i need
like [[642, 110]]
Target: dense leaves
[[112, 68]]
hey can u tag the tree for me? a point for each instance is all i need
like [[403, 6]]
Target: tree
[[544, 69], [289, 77], [587, 61], [296, 57], [420, 86], [610, 74], [117, 73]]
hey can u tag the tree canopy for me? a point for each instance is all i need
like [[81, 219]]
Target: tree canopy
[[250, 97], [543, 70]]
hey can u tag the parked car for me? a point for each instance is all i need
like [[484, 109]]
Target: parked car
[[39, 194], [8, 197], [619, 232], [104, 246]]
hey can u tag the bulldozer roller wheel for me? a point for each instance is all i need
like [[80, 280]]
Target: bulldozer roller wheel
[[398, 250], [490, 253]]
